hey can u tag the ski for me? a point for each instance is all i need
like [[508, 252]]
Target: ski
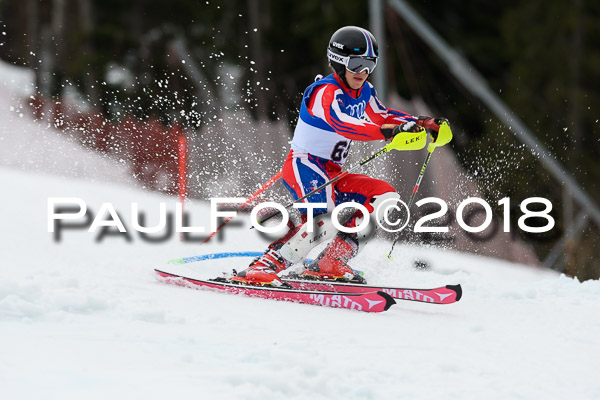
[[372, 301], [443, 295]]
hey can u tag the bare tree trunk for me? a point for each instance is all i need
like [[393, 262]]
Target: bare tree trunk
[[575, 58], [90, 79], [46, 64], [258, 77], [57, 25], [32, 33]]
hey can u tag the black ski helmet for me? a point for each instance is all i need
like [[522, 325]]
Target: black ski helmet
[[352, 48]]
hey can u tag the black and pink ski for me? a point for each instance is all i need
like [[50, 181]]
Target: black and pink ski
[[373, 301], [441, 295]]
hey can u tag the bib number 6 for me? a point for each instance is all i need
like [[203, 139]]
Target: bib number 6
[[340, 151]]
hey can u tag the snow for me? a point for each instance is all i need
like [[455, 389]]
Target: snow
[[36, 146], [86, 319]]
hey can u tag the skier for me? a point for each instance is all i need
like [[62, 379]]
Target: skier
[[335, 110]]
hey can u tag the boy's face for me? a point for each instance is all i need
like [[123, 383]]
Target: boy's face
[[355, 81]]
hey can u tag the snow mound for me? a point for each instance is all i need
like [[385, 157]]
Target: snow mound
[[82, 318]]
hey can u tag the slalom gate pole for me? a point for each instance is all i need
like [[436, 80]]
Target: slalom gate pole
[[250, 199], [404, 141], [182, 169]]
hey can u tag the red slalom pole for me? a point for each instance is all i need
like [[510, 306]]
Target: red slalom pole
[[250, 199], [182, 186], [182, 170]]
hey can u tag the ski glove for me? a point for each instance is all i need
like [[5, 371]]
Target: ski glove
[[432, 125], [389, 130]]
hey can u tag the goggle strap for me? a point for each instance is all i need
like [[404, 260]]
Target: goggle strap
[[337, 58]]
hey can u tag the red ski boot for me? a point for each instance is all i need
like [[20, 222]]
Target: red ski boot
[[263, 270], [331, 263]]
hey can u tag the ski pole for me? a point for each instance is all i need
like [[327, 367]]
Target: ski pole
[[400, 142], [250, 199], [444, 137], [413, 195]]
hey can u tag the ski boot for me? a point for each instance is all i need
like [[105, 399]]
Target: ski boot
[[264, 269], [331, 264]]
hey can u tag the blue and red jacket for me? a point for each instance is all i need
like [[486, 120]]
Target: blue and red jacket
[[333, 115]]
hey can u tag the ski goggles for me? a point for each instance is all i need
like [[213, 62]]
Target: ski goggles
[[354, 64]]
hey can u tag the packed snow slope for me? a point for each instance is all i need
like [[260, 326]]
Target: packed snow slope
[[87, 319]]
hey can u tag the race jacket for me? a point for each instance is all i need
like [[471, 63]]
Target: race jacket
[[331, 118]]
